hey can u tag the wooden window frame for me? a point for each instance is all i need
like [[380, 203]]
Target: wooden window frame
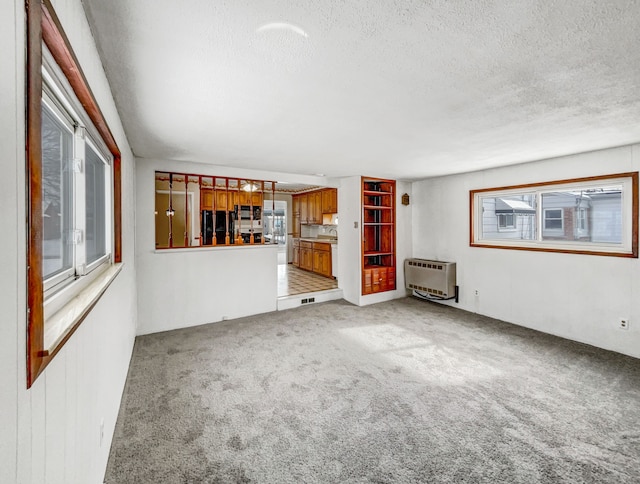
[[44, 26], [632, 253]]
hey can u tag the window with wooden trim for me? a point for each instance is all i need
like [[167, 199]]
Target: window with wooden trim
[[73, 167], [204, 210], [594, 215]]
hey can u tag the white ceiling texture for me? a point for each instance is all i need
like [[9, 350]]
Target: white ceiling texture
[[406, 89]]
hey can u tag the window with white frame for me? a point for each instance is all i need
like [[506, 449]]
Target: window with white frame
[[595, 215], [76, 187], [506, 221], [581, 219], [553, 220]]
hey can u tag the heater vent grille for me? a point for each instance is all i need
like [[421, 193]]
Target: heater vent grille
[[436, 278]]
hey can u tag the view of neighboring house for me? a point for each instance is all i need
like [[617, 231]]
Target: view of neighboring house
[[593, 215]]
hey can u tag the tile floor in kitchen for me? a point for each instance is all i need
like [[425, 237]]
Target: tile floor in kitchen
[[292, 280]]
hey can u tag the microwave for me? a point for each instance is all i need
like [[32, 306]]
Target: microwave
[[245, 212]]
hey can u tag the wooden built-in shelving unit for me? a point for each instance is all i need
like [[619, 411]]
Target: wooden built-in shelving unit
[[378, 235]]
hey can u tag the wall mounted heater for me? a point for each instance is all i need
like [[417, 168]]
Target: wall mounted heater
[[431, 279]]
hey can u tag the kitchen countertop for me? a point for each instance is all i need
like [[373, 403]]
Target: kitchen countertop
[[323, 240]]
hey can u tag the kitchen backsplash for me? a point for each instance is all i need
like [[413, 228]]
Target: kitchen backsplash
[[313, 231]]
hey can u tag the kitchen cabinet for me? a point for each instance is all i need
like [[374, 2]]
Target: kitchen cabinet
[[221, 200], [304, 208], [378, 235], [313, 256], [322, 259], [330, 200], [312, 205], [250, 198], [316, 207], [206, 199], [306, 255], [296, 253], [295, 216]]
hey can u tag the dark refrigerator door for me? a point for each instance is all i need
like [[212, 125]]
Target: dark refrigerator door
[[221, 233], [207, 227]]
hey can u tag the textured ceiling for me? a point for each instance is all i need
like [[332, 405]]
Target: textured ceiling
[[392, 88]]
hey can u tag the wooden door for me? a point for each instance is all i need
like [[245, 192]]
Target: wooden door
[[317, 207], [316, 261], [206, 199], [296, 225], [311, 208], [330, 200], [304, 209], [221, 200], [295, 205], [366, 281], [326, 201], [325, 263], [306, 258]]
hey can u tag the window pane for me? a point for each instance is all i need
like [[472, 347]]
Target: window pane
[[57, 196], [515, 212], [95, 206], [177, 200], [553, 224], [606, 215], [591, 214]]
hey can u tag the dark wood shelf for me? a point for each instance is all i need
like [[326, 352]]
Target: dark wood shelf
[[376, 207], [374, 193], [376, 254]]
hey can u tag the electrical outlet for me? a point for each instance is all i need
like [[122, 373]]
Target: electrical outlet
[[312, 299], [304, 301], [623, 323], [477, 293]]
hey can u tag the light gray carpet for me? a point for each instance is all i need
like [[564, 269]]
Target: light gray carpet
[[405, 391]]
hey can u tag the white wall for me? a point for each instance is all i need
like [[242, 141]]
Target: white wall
[[580, 297], [181, 288], [350, 236], [50, 433]]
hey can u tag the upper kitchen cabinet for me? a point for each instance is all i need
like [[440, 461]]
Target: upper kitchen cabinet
[[296, 216], [315, 207], [330, 200], [312, 205], [206, 198], [304, 208]]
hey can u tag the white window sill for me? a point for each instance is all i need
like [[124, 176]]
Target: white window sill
[[58, 325]]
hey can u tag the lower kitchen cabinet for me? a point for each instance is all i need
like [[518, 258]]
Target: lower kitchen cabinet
[[306, 256], [322, 259], [296, 253], [313, 256]]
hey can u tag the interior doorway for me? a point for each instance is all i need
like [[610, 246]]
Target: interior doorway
[[274, 216]]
